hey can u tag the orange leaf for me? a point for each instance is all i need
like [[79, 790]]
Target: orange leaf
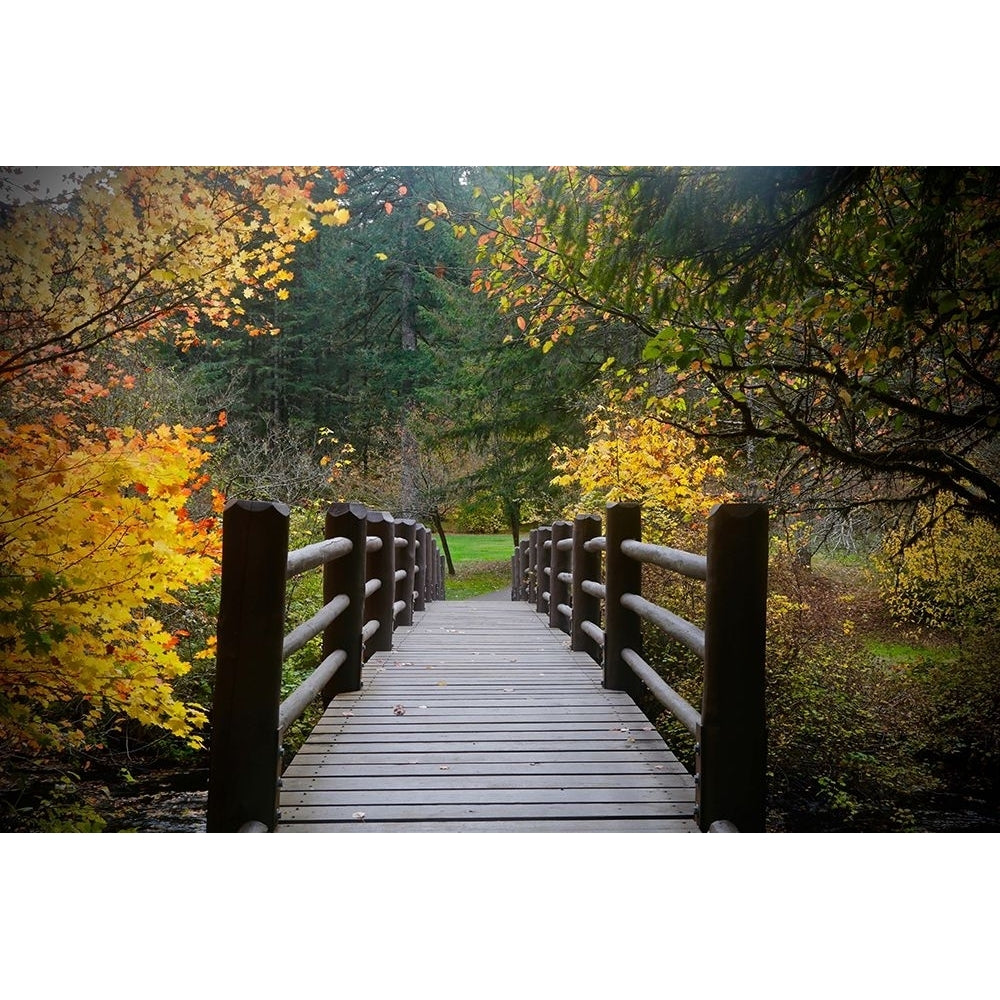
[[520, 323], [402, 190], [388, 208]]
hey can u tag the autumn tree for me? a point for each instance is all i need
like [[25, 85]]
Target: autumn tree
[[102, 525], [630, 456], [841, 319]]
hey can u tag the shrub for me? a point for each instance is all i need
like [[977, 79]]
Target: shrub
[[481, 515], [962, 712], [944, 575]]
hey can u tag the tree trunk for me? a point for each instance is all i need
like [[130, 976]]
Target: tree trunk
[[409, 495], [512, 508], [439, 527]]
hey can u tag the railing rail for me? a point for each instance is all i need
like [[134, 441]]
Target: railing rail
[[373, 580], [559, 570]]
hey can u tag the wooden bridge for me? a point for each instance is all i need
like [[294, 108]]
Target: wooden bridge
[[482, 718], [483, 715]]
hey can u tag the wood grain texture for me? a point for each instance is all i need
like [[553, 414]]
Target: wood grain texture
[[481, 719]]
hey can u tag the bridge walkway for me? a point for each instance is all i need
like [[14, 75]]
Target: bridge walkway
[[482, 719]]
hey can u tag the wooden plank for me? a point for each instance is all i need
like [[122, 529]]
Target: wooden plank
[[333, 765], [514, 740], [588, 797], [602, 825], [499, 810], [514, 730], [451, 757], [437, 779]]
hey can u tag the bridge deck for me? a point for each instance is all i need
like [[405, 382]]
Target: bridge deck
[[482, 719]]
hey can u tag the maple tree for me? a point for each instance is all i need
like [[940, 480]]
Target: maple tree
[[844, 318], [102, 526], [634, 457]]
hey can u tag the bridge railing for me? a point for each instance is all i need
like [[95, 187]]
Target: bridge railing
[[377, 571], [558, 568]]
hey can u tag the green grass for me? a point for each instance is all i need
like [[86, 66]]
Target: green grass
[[482, 565], [904, 653], [479, 548]]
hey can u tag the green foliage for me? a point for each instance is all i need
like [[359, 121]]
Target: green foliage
[[962, 711], [481, 514], [67, 808], [844, 316]]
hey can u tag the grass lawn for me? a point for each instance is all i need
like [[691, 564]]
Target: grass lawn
[[482, 565], [479, 548]]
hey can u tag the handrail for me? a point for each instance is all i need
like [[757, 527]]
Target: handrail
[[309, 690], [317, 554], [730, 750], [680, 707], [312, 627], [377, 570], [685, 563], [676, 627]]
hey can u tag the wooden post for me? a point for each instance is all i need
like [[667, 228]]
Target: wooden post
[[522, 552], [432, 569], [732, 739], [560, 563], [515, 575], [586, 566], [382, 567], [532, 565], [420, 582], [406, 559], [441, 577], [346, 576], [621, 576], [544, 563], [245, 757]]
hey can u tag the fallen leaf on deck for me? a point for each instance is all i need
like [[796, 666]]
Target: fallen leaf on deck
[[444, 767], [359, 815], [398, 710]]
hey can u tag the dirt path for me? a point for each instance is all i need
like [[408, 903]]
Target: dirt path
[[494, 595]]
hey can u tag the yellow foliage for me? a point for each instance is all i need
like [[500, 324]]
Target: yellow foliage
[[138, 246], [93, 533], [642, 459], [949, 575]]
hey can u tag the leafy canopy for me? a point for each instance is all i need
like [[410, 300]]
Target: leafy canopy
[[847, 316]]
